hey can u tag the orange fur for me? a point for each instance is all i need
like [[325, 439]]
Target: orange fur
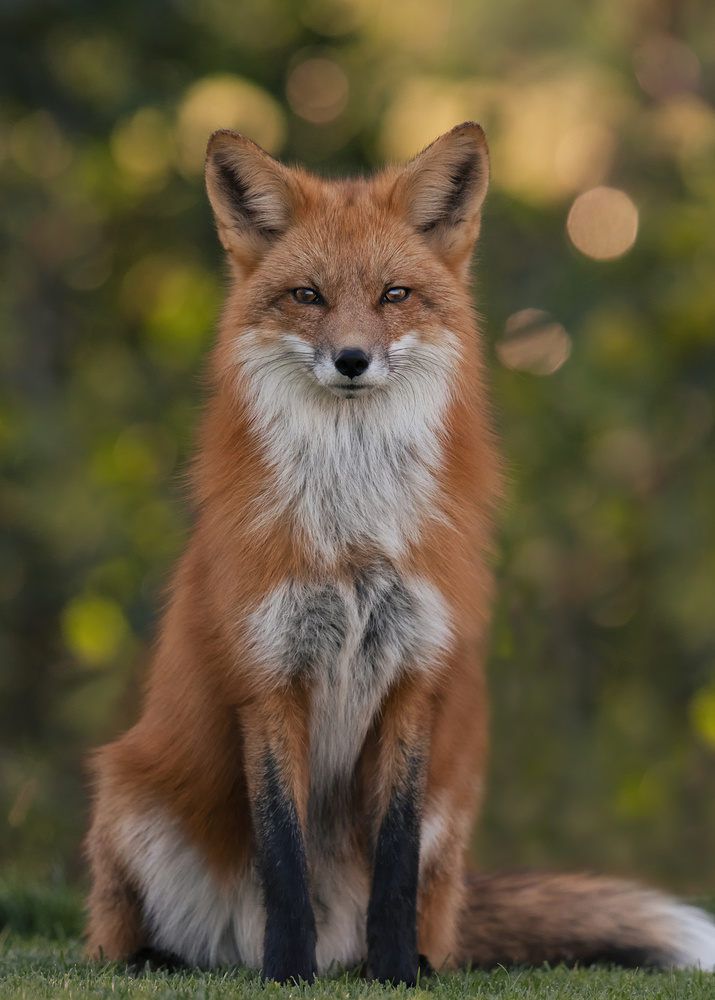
[[317, 696]]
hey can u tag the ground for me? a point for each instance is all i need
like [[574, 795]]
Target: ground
[[41, 957]]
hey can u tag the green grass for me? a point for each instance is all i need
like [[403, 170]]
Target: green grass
[[41, 957]]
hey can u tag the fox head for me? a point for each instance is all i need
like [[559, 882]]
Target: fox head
[[348, 285]]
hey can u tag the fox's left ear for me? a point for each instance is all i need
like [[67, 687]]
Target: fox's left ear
[[442, 190]]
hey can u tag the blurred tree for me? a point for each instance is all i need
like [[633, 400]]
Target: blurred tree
[[595, 281]]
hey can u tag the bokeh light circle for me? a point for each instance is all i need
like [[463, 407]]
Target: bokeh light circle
[[603, 223], [533, 342], [317, 90]]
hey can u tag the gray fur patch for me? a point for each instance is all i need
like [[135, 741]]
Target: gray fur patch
[[311, 626], [351, 640]]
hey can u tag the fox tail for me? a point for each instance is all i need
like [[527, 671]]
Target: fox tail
[[529, 918]]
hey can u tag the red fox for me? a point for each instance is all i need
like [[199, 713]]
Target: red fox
[[301, 786]]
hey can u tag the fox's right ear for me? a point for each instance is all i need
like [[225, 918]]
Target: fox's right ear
[[252, 195]]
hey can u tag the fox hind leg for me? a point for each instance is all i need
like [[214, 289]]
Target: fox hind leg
[[440, 901], [115, 929]]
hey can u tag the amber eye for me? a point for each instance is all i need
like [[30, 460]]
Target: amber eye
[[395, 295], [306, 295]]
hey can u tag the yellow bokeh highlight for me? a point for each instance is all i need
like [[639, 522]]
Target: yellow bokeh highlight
[[603, 223], [556, 135], [317, 90], [423, 108], [416, 26], [584, 155], [142, 145], [642, 795], [685, 126], [94, 629], [177, 303], [143, 453], [182, 315], [702, 714], [231, 102], [549, 137]]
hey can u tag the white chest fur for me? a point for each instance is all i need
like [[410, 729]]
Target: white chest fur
[[349, 471]]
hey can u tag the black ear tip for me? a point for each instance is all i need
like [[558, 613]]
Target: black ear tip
[[222, 140], [468, 126], [471, 131], [226, 140], [223, 137]]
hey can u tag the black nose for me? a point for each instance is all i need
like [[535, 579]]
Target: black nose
[[352, 362]]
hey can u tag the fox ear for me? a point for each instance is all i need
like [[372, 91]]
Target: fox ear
[[252, 195], [443, 190]]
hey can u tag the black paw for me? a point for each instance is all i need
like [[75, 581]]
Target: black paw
[[394, 968], [425, 967], [289, 955], [152, 960], [287, 970]]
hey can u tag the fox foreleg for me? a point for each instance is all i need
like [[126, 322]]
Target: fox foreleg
[[392, 911], [276, 756]]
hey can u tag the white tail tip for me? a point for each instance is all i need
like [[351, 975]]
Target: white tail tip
[[692, 932]]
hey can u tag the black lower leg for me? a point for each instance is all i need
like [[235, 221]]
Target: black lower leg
[[392, 912], [290, 936]]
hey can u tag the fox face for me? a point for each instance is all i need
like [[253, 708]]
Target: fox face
[[350, 286], [347, 305]]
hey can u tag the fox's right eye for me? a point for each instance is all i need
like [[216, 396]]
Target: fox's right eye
[[307, 295]]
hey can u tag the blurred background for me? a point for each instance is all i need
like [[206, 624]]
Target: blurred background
[[595, 278]]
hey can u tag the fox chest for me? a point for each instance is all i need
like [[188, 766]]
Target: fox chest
[[350, 640]]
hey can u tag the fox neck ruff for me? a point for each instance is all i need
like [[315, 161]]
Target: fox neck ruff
[[349, 472]]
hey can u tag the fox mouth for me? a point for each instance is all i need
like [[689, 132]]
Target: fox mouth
[[350, 391]]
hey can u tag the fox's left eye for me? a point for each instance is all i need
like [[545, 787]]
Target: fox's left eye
[[397, 294], [307, 295]]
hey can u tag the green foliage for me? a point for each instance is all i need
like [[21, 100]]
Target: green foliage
[[29, 910], [603, 665]]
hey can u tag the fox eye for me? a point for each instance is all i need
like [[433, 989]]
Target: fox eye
[[397, 294], [307, 295]]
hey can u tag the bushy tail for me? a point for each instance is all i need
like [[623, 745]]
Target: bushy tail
[[530, 918]]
